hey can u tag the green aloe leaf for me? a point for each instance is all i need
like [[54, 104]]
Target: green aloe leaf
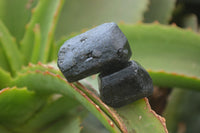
[[17, 106], [51, 83], [58, 110], [78, 14], [37, 44], [3, 61], [170, 54], [48, 81], [53, 52], [178, 111], [3, 130], [160, 10], [5, 78], [45, 15], [72, 125], [135, 117], [39, 67], [179, 104], [15, 15], [91, 124], [139, 118], [9, 47], [190, 21]]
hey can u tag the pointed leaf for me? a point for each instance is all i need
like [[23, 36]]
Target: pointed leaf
[[45, 15], [3, 60], [53, 52], [10, 49], [15, 15], [37, 44]]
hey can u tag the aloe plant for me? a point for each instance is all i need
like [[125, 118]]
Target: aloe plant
[[35, 97]]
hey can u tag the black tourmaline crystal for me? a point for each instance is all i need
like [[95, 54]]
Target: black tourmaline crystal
[[94, 51], [105, 50], [125, 86]]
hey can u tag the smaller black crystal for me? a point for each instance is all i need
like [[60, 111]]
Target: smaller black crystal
[[125, 86]]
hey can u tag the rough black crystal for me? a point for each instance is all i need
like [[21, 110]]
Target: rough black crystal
[[125, 86], [101, 48]]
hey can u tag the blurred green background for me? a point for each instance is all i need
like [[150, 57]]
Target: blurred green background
[[77, 15]]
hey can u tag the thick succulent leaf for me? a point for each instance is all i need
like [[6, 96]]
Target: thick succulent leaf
[[171, 54], [52, 83], [127, 117], [78, 14], [3, 130], [72, 125], [53, 52], [9, 47], [2, 8], [160, 10], [45, 15], [17, 106], [5, 79], [37, 44], [182, 112], [58, 109], [92, 125], [190, 21], [15, 14], [139, 118], [3, 60], [165, 79], [109, 111]]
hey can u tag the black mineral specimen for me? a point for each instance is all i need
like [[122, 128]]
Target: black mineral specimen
[[125, 86], [101, 48]]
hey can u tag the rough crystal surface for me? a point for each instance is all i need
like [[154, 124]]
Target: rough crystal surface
[[125, 86], [101, 48]]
